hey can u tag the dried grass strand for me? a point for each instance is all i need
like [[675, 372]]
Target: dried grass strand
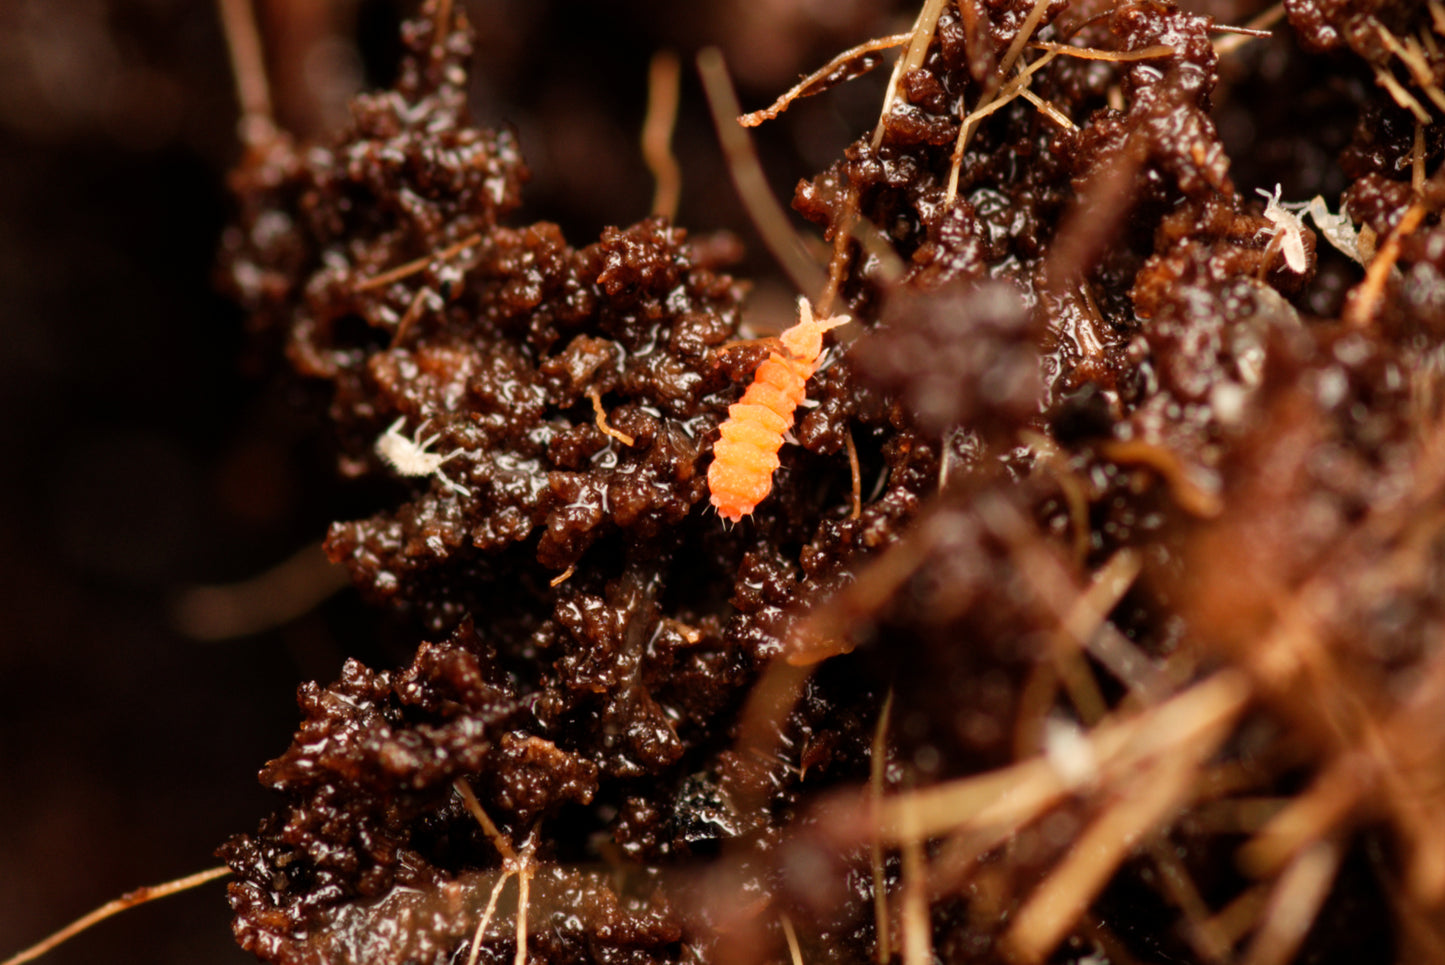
[[843, 229], [1432, 49], [1026, 32], [890, 268], [1234, 920], [1194, 491], [1402, 96], [768, 704], [1372, 763], [1422, 930], [1084, 618], [990, 103], [1091, 608], [822, 633], [441, 27], [1412, 56], [1417, 160], [413, 313], [524, 888], [1086, 626], [1048, 110]]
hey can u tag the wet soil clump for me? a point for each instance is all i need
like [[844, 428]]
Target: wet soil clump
[[1091, 501]]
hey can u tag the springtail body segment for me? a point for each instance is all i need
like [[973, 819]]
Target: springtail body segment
[[746, 455]]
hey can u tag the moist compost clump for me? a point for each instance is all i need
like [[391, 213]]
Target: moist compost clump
[[1093, 502]]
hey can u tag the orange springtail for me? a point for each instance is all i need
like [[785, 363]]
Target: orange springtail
[[743, 460]]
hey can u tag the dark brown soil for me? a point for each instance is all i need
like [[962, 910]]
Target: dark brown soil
[[1115, 446]]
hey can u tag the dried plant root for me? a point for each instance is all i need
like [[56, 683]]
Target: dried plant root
[[257, 125], [419, 265], [851, 63], [747, 174], [664, 80], [124, 903]]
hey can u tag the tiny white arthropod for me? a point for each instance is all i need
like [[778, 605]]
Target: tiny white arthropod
[[410, 457], [1338, 229], [1288, 228]]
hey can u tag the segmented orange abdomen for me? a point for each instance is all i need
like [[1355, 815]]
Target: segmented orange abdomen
[[744, 459], [741, 474]]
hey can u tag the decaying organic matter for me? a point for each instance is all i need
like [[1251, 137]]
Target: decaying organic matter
[[1129, 493]]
